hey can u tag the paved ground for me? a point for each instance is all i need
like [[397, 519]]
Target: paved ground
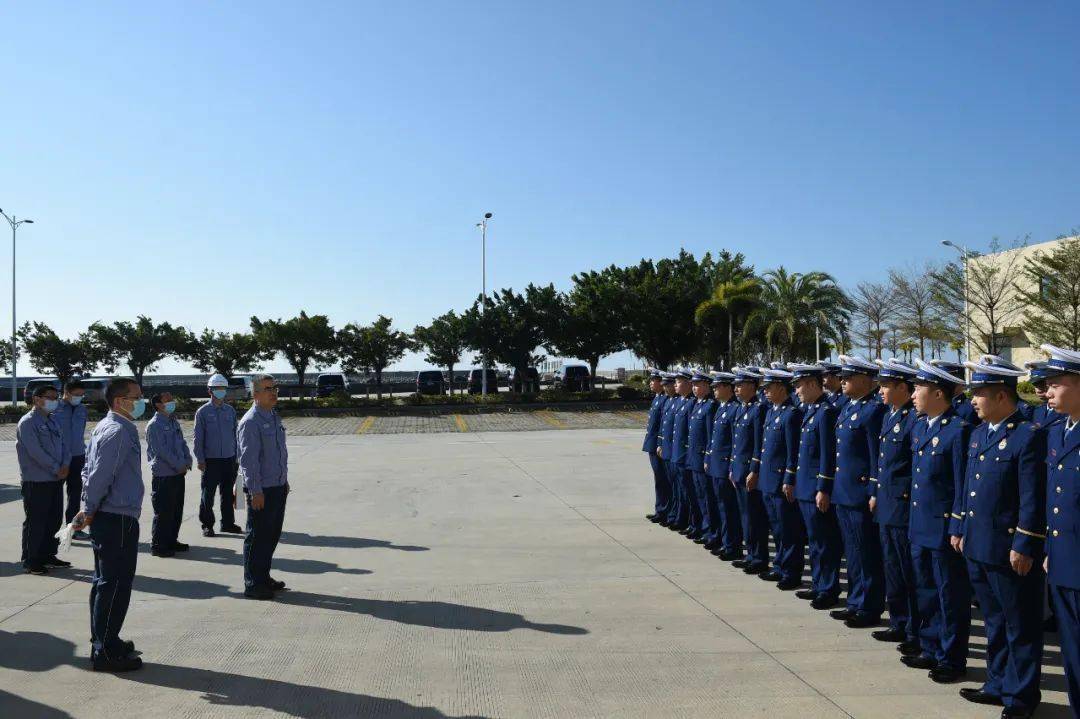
[[455, 575]]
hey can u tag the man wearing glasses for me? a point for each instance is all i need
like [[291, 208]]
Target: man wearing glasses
[[264, 467]]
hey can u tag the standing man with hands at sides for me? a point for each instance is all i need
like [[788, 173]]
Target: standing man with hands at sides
[[43, 466], [699, 427], [112, 499], [727, 542], [215, 451], [264, 466], [170, 461], [687, 509], [746, 432], [665, 449], [779, 456], [71, 416]]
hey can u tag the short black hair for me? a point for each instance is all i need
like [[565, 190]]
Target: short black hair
[[117, 388], [73, 384], [41, 390], [156, 399]]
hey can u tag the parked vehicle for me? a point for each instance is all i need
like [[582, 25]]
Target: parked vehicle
[[328, 383], [476, 379], [95, 387], [240, 387], [32, 385], [430, 382], [574, 378], [528, 382]]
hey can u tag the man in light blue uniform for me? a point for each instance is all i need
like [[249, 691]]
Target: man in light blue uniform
[[727, 541], [1003, 539], [215, 452], [699, 425], [170, 461], [779, 457], [112, 499], [746, 433], [1063, 508], [264, 466], [652, 440], [44, 461], [71, 416]]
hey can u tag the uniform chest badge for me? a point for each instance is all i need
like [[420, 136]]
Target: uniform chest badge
[[935, 441], [1002, 444], [896, 429], [854, 416]]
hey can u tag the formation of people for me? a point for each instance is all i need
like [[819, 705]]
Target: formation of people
[[932, 499], [103, 488]]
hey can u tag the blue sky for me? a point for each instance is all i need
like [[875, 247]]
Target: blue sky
[[201, 163]]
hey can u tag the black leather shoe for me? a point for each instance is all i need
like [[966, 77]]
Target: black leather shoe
[[129, 646], [714, 546], [757, 569], [162, 553], [102, 663], [685, 531], [861, 620], [890, 635], [824, 601], [651, 517], [807, 594], [944, 674], [731, 555], [789, 585], [770, 576], [919, 661], [978, 696], [38, 569], [741, 563], [231, 529], [842, 615], [699, 540], [208, 531], [56, 562], [259, 592], [909, 649], [180, 547], [1015, 713], [275, 584]]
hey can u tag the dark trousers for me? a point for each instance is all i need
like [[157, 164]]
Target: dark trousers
[[43, 509], [707, 509], [678, 510], [755, 522], [167, 496], [73, 483], [1066, 601], [944, 595], [826, 547], [788, 534], [263, 533], [900, 593], [220, 476], [862, 548], [660, 481], [690, 494], [115, 540], [728, 511]]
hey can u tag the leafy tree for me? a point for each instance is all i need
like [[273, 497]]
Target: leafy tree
[[874, 307], [731, 302], [586, 321], [794, 307], [302, 341], [139, 345], [371, 348], [1051, 291], [225, 352], [444, 340], [51, 355], [512, 326]]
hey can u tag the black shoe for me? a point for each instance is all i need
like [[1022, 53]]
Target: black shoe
[[650, 517], [129, 646], [259, 592], [102, 663], [699, 540], [909, 648], [919, 661], [978, 696], [807, 594], [674, 526], [81, 535], [944, 674], [663, 523], [56, 562], [770, 576], [180, 547], [788, 585], [1015, 713], [714, 546], [890, 635], [686, 531], [208, 531], [861, 620], [842, 615], [824, 601], [38, 569], [275, 584], [757, 569], [231, 529], [732, 555], [741, 563], [162, 552]]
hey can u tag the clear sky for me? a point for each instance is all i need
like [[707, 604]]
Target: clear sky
[[203, 162]]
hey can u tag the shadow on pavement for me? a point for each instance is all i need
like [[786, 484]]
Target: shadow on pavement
[[221, 555], [9, 493], [303, 539]]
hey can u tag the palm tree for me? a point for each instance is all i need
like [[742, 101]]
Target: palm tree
[[794, 305], [728, 297]]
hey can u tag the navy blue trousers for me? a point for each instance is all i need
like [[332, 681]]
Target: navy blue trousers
[[707, 507], [862, 548], [693, 507], [661, 483], [728, 509], [789, 536], [115, 540], [1066, 603], [43, 510], [900, 584], [220, 476], [678, 509], [755, 524], [1012, 614], [263, 534], [167, 497], [944, 595], [826, 547]]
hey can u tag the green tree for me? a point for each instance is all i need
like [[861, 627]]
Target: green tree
[[225, 352], [794, 306], [512, 326], [586, 321], [139, 345], [52, 355], [1051, 293], [371, 348], [444, 341], [731, 302], [304, 342]]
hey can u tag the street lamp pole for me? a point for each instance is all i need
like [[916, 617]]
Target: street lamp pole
[[965, 253], [483, 299], [14, 222]]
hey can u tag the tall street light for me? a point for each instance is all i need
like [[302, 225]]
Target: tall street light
[[14, 222], [965, 253], [483, 299]]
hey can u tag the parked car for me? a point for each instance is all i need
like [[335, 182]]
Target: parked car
[[32, 385], [240, 387], [95, 387], [328, 383], [430, 382], [573, 378], [529, 382], [476, 379]]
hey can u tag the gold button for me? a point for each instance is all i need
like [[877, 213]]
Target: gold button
[[982, 457], [972, 494], [1060, 467], [1056, 510], [917, 469], [1055, 533], [920, 452], [1011, 530], [915, 486], [914, 504], [1059, 490], [971, 513], [978, 476]]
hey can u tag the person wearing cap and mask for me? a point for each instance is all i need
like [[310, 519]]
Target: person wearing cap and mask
[[215, 452], [112, 500], [1002, 536], [699, 426], [890, 504], [779, 457], [1041, 415], [939, 443], [71, 416], [170, 461], [814, 476], [652, 441], [1063, 508], [727, 539], [44, 462], [960, 402], [858, 432], [665, 449], [747, 428]]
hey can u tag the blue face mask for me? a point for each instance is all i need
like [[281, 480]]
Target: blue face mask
[[76, 400], [138, 408], [51, 405], [218, 393], [170, 407]]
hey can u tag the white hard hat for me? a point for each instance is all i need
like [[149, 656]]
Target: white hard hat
[[217, 380]]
